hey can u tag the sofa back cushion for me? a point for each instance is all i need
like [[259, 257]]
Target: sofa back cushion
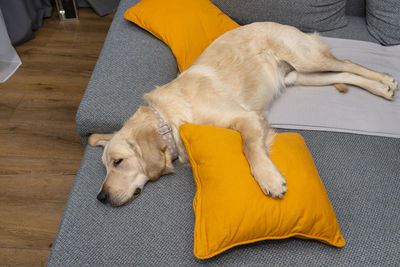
[[307, 15], [383, 21], [355, 8]]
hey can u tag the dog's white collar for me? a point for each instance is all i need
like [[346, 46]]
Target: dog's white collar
[[166, 133]]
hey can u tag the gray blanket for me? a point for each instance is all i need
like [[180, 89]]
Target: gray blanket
[[357, 111]]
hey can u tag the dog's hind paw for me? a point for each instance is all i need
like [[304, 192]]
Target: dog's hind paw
[[390, 82], [386, 91], [389, 92]]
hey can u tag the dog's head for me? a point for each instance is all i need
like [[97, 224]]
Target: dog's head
[[132, 156]]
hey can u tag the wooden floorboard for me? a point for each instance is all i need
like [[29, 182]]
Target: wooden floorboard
[[40, 150], [24, 257]]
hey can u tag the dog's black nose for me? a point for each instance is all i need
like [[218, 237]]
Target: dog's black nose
[[103, 196]]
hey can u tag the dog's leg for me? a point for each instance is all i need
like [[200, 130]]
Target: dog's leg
[[325, 78], [314, 56], [334, 64], [254, 134], [269, 140], [270, 133]]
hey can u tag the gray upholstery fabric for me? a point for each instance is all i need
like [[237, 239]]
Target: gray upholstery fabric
[[355, 8], [383, 20], [131, 63], [355, 29], [307, 15], [361, 175]]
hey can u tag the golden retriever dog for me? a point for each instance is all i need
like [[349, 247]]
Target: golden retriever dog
[[230, 85]]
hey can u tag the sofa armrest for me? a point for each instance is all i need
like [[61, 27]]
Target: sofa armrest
[[132, 62]]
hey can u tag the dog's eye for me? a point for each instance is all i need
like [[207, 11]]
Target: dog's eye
[[116, 162], [137, 191]]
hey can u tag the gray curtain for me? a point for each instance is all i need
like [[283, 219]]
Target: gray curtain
[[22, 17], [101, 7], [9, 60]]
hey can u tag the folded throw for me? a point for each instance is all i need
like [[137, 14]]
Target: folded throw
[[357, 111]]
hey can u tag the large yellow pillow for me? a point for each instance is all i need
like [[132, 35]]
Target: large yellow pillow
[[231, 209], [188, 27]]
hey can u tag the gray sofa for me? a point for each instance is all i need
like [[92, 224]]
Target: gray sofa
[[361, 175]]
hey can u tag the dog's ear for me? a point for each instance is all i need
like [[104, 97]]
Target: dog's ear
[[152, 149], [99, 139], [150, 145]]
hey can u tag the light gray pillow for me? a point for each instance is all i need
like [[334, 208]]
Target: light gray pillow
[[307, 15], [383, 20]]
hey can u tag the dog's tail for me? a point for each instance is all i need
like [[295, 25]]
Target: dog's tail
[[341, 87]]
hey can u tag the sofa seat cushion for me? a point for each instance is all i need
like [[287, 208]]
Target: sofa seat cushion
[[360, 174]]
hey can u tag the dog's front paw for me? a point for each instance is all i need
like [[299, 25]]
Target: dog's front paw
[[273, 184]]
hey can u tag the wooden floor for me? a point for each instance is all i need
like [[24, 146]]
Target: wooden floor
[[40, 150]]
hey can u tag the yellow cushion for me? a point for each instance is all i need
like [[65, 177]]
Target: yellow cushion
[[231, 209], [186, 26]]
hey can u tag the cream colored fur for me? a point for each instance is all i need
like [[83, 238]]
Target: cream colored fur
[[230, 85]]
